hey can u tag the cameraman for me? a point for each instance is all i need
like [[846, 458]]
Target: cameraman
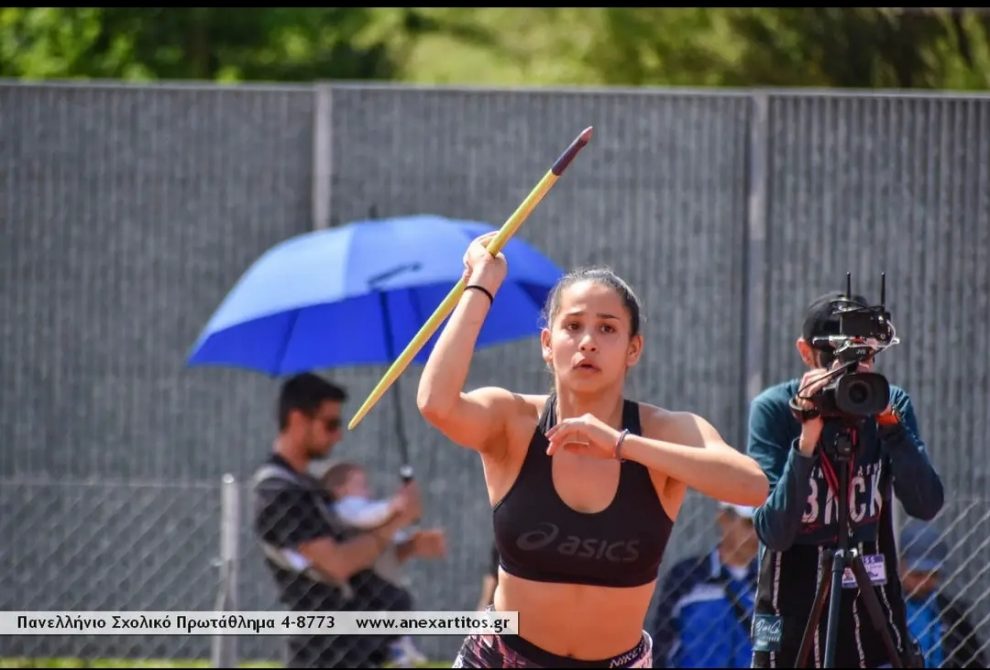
[[800, 517]]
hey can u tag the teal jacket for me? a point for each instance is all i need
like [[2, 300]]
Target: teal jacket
[[800, 508]]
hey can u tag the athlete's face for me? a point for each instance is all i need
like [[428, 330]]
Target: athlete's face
[[589, 344]]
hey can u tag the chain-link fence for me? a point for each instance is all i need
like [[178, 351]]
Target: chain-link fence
[[104, 545], [948, 609], [947, 612], [127, 542]]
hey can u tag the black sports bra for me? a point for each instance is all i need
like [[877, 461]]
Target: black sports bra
[[540, 537]]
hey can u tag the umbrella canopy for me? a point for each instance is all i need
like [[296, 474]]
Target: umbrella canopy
[[358, 293]]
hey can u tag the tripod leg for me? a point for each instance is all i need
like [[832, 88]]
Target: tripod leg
[[816, 613], [831, 636], [869, 594]]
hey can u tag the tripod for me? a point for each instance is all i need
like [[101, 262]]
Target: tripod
[[843, 557]]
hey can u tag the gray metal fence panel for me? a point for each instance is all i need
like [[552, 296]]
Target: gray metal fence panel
[[896, 185], [127, 214]]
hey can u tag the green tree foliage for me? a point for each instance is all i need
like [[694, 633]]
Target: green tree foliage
[[856, 47], [260, 44], [863, 47], [831, 47]]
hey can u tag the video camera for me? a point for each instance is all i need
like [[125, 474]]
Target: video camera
[[863, 332]]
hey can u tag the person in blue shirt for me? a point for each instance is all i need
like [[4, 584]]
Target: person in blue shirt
[[702, 615], [799, 519], [936, 620]]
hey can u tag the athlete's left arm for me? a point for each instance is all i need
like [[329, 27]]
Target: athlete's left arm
[[916, 483], [692, 451], [680, 445]]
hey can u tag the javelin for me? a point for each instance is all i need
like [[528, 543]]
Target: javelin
[[507, 230]]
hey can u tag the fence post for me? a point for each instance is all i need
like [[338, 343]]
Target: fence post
[[225, 646], [322, 158], [754, 316]]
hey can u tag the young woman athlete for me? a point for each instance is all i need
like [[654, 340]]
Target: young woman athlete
[[585, 484]]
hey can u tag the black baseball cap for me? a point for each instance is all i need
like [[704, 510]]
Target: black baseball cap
[[821, 317]]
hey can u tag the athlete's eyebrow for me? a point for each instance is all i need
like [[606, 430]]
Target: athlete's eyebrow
[[600, 315]]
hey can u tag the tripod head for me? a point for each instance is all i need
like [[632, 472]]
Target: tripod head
[[839, 440]]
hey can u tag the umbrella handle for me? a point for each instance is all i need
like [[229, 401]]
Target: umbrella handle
[[406, 472], [508, 229]]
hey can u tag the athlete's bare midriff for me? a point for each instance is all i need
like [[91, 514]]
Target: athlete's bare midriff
[[580, 621]]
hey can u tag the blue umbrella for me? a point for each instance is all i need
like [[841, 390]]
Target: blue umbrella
[[357, 294]]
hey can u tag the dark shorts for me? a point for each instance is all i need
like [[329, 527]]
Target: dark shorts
[[512, 651]]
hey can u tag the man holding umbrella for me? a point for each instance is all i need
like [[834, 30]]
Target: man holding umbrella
[[318, 563]]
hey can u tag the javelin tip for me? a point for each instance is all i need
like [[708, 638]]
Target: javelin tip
[[447, 306], [565, 158]]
